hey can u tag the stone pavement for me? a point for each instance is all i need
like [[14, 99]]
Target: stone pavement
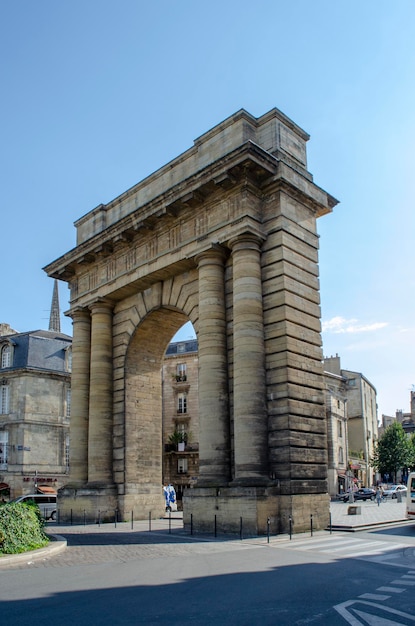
[[369, 514], [91, 544]]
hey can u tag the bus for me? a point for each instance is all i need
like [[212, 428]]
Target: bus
[[410, 497]]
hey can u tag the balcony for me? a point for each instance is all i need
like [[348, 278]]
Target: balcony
[[180, 378]]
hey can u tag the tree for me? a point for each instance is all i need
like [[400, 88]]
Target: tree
[[412, 446], [393, 451]]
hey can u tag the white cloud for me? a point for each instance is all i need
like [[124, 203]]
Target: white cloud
[[339, 325]]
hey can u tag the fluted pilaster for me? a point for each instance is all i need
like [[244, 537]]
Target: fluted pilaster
[[214, 434], [250, 417], [100, 396]]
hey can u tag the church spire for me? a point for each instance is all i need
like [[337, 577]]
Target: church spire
[[54, 320]]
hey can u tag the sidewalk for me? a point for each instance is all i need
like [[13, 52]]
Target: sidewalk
[[368, 514]]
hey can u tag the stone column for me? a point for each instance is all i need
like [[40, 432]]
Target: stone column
[[214, 429], [100, 395], [250, 416], [81, 351]]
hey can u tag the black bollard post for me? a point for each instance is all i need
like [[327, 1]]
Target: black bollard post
[[99, 518], [268, 525], [215, 527], [240, 528], [311, 524], [191, 523], [84, 517], [149, 521], [290, 521], [115, 517], [330, 523], [170, 522], [71, 518], [132, 520]]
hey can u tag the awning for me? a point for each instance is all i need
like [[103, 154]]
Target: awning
[[355, 467], [46, 489], [3, 486]]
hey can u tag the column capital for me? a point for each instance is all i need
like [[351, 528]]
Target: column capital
[[246, 241], [102, 305], [79, 313], [215, 254]]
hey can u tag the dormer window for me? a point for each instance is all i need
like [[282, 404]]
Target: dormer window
[[6, 356]]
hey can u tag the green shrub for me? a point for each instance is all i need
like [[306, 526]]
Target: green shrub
[[21, 528]]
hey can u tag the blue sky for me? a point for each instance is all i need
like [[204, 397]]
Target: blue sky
[[96, 95]]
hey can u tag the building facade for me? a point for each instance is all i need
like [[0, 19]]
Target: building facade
[[180, 380], [362, 423], [339, 475], [35, 401], [407, 419]]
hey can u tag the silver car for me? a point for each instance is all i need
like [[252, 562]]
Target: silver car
[[392, 492], [46, 503]]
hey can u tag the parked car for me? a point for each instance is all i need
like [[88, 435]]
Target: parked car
[[392, 492], [364, 493], [46, 503]]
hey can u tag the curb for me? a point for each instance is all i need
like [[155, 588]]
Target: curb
[[57, 544], [367, 526]]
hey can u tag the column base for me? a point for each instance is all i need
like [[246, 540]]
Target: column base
[[232, 510]]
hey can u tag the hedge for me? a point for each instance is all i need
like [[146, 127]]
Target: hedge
[[21, 528]]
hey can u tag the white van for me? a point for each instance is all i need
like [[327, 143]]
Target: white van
[[410, 497], [46, 503]]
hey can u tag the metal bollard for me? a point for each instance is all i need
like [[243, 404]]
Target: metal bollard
[[84, 517], [191, 523], [132, 520], [311, 524], [290, 522], [149, 521], [115, 517], [240, 528], [71, 518], [216, 528], [330, 524], [99, 518], [268, 525], [170, 522]]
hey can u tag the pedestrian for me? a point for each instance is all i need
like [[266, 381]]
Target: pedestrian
[[379, 494]]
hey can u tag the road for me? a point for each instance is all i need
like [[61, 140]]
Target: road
[[160, 577]]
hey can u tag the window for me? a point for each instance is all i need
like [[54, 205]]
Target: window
[[341, 458], [6, 356], [68, 403], [182, 466], [182, 403], [68, 359], [67, 452], [181, 372], [4, 398], [339, 428], [4, 441]]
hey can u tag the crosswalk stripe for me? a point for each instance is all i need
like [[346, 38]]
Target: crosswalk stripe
[[346, 547]]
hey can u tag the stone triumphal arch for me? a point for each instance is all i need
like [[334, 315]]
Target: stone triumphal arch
[[224, 236]]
